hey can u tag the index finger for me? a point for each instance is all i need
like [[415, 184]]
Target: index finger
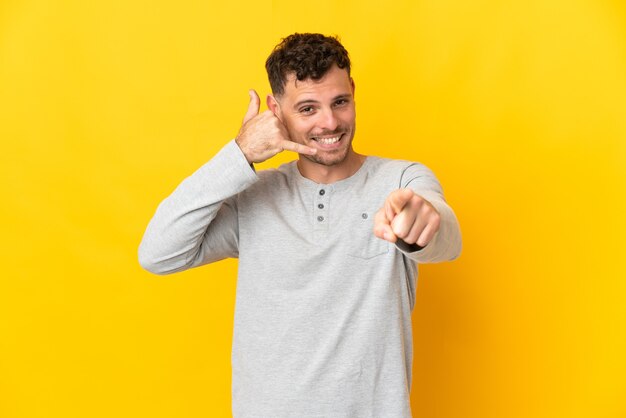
[[399, 198]]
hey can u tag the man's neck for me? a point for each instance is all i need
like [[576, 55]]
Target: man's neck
[[323, 174]]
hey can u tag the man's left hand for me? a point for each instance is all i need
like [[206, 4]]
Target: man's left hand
[[407, 216]]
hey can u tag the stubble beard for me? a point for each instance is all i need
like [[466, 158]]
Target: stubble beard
[[329, 159], [334, 157]]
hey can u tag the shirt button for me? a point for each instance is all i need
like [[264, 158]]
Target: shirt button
[[364, 215], [320, 206], [322, 192], [320, 218]]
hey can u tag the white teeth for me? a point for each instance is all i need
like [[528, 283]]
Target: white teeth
[[328, 141]]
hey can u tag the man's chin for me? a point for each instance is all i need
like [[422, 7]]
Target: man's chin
[[327, 160]]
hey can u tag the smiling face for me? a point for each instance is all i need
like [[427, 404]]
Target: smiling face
[[320, 114]]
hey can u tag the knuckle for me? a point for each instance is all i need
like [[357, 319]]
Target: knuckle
[[436, 220], [399, 230], [410, 239]]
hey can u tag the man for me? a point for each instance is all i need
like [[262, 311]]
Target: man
[[327, 246]]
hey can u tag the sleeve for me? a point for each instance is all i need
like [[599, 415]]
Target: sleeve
[[198, 223], [446, 244]]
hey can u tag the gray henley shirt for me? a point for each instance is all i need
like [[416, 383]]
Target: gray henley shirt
[[322, 323]]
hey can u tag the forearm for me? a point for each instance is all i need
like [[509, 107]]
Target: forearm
[[446, 243], [174, 235]]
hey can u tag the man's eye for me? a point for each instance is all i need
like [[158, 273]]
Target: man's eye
[[307, 109], [341, 102]]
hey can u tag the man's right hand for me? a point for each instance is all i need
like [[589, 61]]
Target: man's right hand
[[263, 135]]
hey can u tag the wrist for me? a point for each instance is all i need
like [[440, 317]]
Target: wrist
[[243, 150]]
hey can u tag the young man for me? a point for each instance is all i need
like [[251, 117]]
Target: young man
[[327, 246]]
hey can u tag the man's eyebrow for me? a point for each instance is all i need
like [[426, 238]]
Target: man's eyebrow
[[342, 96], [305, 101], [311, 101]]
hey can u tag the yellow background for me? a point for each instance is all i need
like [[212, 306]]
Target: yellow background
[[519, 107]]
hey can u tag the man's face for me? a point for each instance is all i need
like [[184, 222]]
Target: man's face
[[320, 114]]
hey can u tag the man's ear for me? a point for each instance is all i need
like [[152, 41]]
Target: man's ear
[[274, 106], [352, 85]]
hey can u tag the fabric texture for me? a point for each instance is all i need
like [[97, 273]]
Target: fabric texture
[[323, 307]]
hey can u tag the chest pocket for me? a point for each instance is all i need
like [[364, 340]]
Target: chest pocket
[[362, 243]]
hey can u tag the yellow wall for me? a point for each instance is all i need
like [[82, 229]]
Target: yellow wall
[[519, 106]]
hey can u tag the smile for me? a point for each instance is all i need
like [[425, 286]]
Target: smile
[[328, 140]]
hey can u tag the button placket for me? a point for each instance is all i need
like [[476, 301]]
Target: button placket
[[320, 212]]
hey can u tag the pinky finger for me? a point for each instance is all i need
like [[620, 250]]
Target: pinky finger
[[427, 235], [299, 148]]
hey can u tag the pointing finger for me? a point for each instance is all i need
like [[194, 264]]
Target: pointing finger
[[389, 211], [253, 106], [399, 198]]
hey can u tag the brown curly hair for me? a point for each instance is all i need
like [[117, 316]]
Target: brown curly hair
[[308, 55]]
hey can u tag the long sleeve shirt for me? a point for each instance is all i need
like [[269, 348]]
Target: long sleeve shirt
[[323, 307]]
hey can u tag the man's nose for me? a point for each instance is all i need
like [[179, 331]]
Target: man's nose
[[328, 120]]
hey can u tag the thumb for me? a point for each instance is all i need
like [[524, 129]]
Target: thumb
[[253, 106], [398, 199]]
